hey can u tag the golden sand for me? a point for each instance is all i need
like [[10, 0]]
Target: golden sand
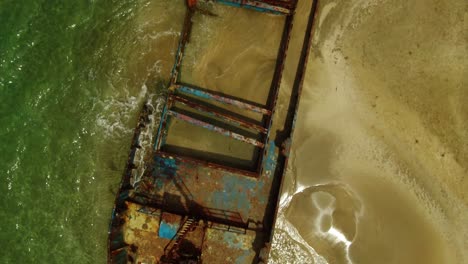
[[380, 152]]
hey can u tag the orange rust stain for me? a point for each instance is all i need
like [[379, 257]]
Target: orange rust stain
[[191, 3]]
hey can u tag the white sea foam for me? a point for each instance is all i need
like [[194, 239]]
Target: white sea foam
[[118, 112], [146, 139]]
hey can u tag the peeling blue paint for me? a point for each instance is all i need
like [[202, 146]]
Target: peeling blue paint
[[167, 230], [256, 8], [270, 161], [160, 127], [235, 194], [164, 171], [233, 240], [237, 241]]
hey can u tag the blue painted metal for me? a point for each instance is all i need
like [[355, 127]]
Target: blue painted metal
[[168, 230], [270, 161], [256, 6], [222, 99], [162, 123], [175, 70]]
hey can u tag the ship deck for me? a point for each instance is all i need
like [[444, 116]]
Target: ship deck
[[208, 189]]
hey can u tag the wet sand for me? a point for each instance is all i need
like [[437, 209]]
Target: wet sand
[[378, 172]]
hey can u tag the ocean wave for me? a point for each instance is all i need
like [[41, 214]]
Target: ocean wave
[[114, 120]]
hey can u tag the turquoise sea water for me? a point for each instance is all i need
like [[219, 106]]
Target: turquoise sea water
[[73, 76]]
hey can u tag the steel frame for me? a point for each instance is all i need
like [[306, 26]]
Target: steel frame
[[277, 7]]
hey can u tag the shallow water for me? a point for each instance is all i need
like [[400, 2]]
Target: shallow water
[[378, 169], [72, 79]]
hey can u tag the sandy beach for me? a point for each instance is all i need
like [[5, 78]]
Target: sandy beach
[[380, 153]]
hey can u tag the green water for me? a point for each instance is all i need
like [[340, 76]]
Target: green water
[[72, 77]]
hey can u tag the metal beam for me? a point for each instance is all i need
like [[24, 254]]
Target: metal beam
[[186, 159], [275, 7], [206, 95], [214, 128], [225, 117]]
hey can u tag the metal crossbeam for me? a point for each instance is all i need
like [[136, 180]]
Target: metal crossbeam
[[271, 6], [206, 95], [212, 112], [214, 128]]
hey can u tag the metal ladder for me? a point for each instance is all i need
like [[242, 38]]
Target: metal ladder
[[173, 246]]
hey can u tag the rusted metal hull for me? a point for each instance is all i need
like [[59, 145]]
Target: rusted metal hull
[[184, 208]]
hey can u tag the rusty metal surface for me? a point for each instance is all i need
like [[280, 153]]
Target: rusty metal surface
[[210, 111], [229, 203], [271, 6], [214, 128], [184, 37], [276, 82], [211, 96], [210, 193]]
